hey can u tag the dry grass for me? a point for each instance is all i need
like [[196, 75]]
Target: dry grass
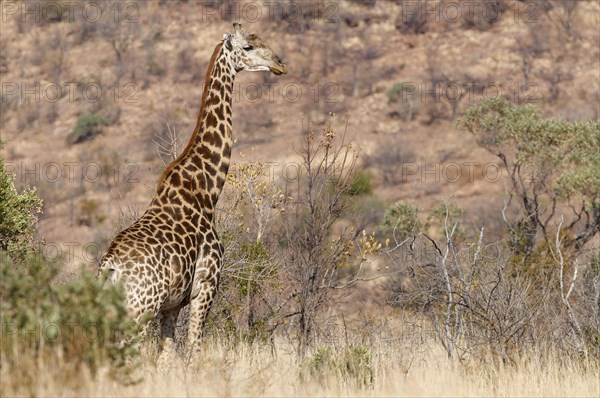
[[258, 370]]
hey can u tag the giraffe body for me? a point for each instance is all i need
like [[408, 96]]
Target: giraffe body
[[172, 255]]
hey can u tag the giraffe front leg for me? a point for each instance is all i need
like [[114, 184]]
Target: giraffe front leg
[[199, 308], [204, 290]]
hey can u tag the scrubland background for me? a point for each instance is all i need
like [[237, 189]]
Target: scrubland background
[[412, 209]]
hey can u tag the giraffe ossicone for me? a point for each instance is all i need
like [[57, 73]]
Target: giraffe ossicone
[[172, 255]]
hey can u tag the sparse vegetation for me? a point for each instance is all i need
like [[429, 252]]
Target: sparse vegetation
[[87, 127], [80, 323], [343, 276], [89, 213], [361, 184], [405, 97], [353, 365], [402, 220], [155, 69]]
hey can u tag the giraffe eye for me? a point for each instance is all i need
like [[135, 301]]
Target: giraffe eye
[[247, 48]]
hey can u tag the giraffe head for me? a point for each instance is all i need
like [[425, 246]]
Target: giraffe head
[[251, 53]]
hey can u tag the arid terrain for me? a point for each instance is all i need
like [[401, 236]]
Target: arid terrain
[[145, 71], [98, 96]]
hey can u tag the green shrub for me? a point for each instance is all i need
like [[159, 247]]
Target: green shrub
[[553, 156], [361, 184], [155, 69], [256, 259], [18, 214], [454, 213], [353, 364], [322, 363], [395, 92], [249, 269], [81, 322], [89, 213], [402, 219], [358, 365], [552, 170], [86, 128]]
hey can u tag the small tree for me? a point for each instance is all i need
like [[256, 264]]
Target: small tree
[[313, 251], [552, 167], [554, 178], [248, 207]]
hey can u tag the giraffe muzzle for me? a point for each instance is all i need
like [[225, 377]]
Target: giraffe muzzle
[[278, 67]]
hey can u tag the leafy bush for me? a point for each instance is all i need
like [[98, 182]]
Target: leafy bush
[[353, 364], [80, 323], [395, 92], [249, 275], [155, 69], [448, 215], [321, 362], [18, 214], [361, 184], [87, 127], [89, 213], [402, 219], [358, 365]]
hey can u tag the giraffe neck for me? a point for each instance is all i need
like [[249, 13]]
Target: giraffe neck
[[197, 176]]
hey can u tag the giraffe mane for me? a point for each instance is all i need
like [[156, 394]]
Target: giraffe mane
[[198, 127]]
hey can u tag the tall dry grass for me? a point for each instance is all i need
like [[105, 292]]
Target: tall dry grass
[[275, 370]]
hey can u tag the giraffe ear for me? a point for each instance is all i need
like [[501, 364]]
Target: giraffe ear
[[238, 32], [227, 41]]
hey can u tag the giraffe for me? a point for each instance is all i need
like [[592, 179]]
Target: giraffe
[[172, 255]]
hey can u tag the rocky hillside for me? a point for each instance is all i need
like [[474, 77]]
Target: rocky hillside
[[88, 88]]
